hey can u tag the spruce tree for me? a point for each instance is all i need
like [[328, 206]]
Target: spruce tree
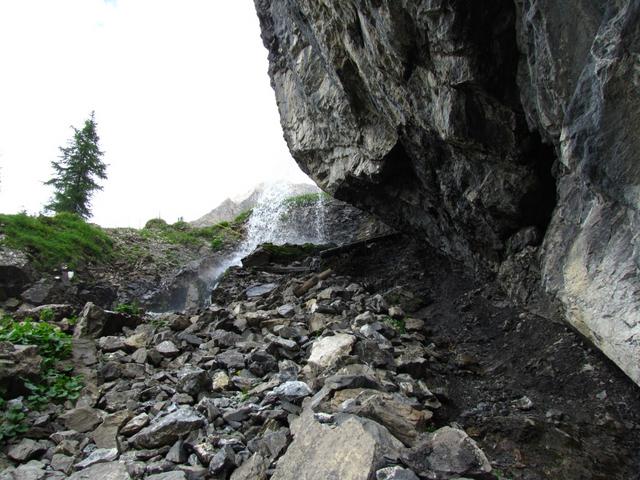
[[77, 172]]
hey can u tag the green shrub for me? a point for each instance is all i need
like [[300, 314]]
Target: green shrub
[[12, 420], [305, 199], [52, 343], [55, 384], [242, 217], [130, 309], [184, 234], [157, 223], [54, 241], [397, 324], [46, 315]]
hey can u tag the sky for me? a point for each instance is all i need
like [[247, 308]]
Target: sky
[[185, 112]]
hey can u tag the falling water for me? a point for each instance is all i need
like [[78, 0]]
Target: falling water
[[270, 222], [273, 220]]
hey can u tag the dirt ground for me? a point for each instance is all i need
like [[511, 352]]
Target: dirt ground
[[538, 399]]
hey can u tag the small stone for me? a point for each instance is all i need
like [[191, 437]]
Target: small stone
[[395, 473], [81, 419], [220, 381], [396, 312], [260, 290], [175, 475], [99, 455], [453, 452], [292, 390], [135, 424], [167, 349], [105, 435], [192, 380], [523, 403], [177, 454], [26, 450], [286, 310], [327, 351], [62, 463]]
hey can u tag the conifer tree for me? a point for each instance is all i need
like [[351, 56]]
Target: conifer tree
[[77, 172]]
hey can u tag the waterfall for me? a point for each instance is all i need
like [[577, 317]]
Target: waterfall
[[275, 219], [270, 222]]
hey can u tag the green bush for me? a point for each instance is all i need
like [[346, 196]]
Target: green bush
[[242, 217], [129, 309], [305, 199], [155, 223], [12, 420], [184, 234], [46, 315], [52, 343], [54, 241]]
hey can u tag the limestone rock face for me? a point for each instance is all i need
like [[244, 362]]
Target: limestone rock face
[[495, 130]]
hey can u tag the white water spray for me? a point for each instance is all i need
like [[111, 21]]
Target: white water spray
[[270, 222]]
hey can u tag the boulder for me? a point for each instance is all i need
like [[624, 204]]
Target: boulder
[[353, 448], [326, 352], [94, 322], [448, 452], [167, 429]]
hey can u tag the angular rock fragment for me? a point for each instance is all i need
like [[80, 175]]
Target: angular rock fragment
[[168, 428], [448, 452], [353, 448]]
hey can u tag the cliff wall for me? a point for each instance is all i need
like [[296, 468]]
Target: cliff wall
[[504, 133]]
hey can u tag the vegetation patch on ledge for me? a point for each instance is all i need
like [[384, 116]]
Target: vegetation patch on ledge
[[306, 199], [63, 239], [182, 233]]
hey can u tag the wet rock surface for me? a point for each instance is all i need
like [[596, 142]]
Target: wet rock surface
[[413, 372]]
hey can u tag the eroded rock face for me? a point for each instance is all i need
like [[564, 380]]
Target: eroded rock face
[[485, 127]]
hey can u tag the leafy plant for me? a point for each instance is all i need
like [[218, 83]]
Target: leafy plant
[[130, 309], [12, 420], [52, 343], [242, 217], [55, 387], [47, 315], [305, 199], [398, 324], [55, 384]]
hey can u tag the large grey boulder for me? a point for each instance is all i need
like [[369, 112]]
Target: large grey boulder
[[497, 131], [354, 448], [168, 428]]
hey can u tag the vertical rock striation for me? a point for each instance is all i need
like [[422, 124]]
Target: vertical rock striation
[[504, 133]]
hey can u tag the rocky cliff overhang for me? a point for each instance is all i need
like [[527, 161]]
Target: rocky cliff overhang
[[505, 133]]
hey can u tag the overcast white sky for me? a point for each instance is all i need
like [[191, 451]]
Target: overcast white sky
[[184, 108]]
